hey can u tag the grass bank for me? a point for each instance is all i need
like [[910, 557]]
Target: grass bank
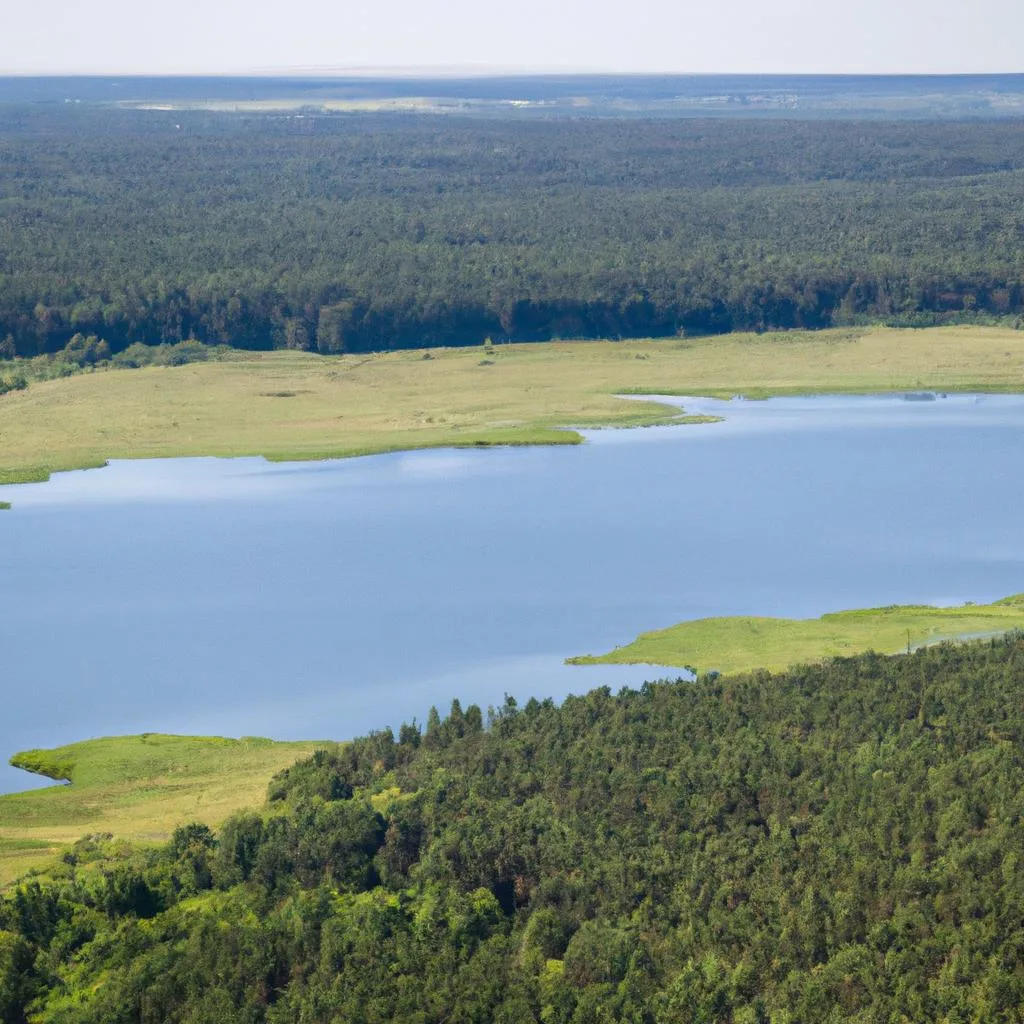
[[138, 788], [740, 644], [289, 405]]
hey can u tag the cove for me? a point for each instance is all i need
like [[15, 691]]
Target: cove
[[321, 600]]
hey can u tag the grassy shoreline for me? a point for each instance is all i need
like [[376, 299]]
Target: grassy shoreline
[[135, 788], [744, 643], [295, 406]]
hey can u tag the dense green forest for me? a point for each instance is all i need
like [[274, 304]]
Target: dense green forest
[[366, 232], [838, 842]]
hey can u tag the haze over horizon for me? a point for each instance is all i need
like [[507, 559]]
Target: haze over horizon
[[649, 36]]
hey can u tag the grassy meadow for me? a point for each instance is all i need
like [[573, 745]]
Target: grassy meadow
[[744, 643], [290, 405], [138, 788]]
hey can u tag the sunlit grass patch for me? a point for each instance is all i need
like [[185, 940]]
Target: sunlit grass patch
[[743, 643], [136, 787]]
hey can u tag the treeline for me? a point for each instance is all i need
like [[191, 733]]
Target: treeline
[[351, 233], [840, 842]]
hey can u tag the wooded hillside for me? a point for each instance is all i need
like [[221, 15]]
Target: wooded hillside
[[839, 842]]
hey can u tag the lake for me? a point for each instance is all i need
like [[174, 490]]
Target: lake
[[326, 599]]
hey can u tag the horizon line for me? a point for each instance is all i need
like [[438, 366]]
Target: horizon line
[[471, 71]]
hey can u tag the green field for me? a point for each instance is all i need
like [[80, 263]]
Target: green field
[[744, 643], [137, 788], [289, 405]]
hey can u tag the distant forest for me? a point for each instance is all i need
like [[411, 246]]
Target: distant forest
[[840, 842], [342, 233]]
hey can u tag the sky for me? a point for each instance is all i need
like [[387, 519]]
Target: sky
[[687, 36]]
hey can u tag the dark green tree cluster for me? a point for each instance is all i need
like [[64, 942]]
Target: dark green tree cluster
[[354, 233], [85, 354], [836, 843]]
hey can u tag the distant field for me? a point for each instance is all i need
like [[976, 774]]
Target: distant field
[[936, 96], [138, 788], [741, 644], [288, 405]]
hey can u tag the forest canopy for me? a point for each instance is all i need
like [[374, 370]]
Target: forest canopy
[[369, 232], [838, 842]]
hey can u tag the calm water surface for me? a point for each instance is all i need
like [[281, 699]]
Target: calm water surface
[[326, 599]]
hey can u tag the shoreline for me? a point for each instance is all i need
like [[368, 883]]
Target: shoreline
[[549, 437], [289, 406]]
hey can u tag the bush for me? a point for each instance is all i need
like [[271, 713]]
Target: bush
[[15, 382], [82, 351], [188, 351]]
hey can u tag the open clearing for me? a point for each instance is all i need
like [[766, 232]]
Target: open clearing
[[741, 643], [138, 788], [289, 405]]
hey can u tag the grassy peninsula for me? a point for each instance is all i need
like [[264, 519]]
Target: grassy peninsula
[[743, 643], [290, 405], [137, 788]]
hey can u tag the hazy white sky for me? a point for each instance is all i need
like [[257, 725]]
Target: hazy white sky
[[123, 36]]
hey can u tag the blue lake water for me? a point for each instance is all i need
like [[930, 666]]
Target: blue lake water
[[326, 599]]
